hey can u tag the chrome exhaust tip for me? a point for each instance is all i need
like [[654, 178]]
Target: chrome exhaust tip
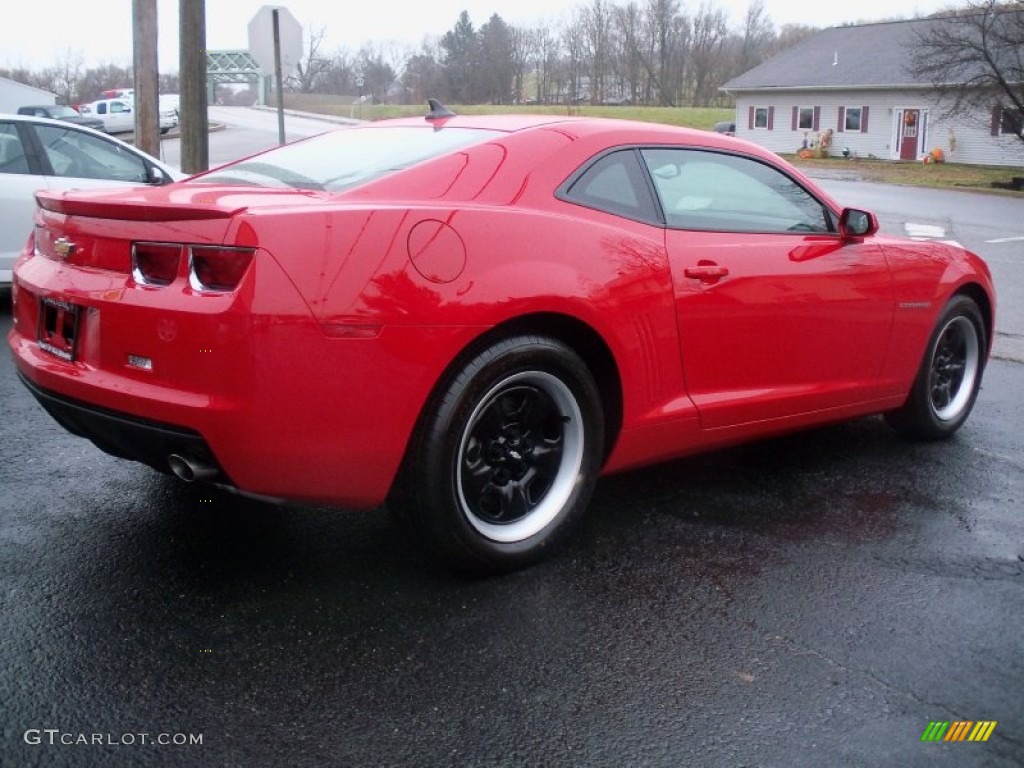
[[190, 470]]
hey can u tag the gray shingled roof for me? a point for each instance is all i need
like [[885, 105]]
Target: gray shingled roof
[[869, 55]]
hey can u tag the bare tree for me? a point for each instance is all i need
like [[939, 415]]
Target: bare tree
[[574, 47], [663, 50], [312, 66], [758, 36], [975, 59], [522, 42], [788, 36], [423, 77], [102, 78], [597, 23], [378, 74], [546, 51], [629, 65], [709, 32], [65, 75], [339, 77]]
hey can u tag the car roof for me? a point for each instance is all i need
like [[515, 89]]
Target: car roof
[[11, 117], [615, 130]]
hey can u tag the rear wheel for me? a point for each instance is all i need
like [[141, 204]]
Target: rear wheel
[[507, 461], [949, 379]]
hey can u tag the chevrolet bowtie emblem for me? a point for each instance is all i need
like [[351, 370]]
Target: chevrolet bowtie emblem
[[63, 247]]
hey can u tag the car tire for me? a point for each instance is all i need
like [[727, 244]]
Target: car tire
[[508, 455], [949, 379]]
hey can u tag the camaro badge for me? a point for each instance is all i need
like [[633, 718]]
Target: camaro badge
[[63, 247]]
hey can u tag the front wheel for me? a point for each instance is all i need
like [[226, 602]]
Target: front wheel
[[949, 379], [507, 456]]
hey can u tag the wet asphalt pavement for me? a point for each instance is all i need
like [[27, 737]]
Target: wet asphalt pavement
[[814, 600]]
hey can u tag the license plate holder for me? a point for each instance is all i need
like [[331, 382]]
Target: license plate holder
[[59, 323]]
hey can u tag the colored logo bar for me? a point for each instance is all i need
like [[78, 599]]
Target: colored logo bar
[[960, 730]]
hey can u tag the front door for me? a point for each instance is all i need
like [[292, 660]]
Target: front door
[[909, 133], [777, 315]]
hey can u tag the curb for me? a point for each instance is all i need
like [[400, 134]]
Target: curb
[[312, 115]]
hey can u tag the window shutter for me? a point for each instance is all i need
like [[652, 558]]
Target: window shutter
[[863, 119], [997, 119], [817, 117], [796, 112], [750, 119], [841, 121], [771, 118]]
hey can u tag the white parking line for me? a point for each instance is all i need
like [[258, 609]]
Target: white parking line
[[924, 231], [1005, 240]]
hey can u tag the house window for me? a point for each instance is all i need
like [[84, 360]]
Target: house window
[[852, 122], [1011, 121], [852, 119], [761, 118], [806, 118]]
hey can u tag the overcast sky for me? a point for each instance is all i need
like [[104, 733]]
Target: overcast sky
[[44, 31]]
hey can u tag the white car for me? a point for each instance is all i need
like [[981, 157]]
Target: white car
[[118, 115], [40, 153], [171, 103]]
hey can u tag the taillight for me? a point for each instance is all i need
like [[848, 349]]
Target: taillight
[[155, 263], [217, 268]]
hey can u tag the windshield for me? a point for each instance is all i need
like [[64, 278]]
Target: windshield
[[346, 157], [62, 112]]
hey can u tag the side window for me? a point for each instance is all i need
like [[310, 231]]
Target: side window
[[12, 153], [852, 121], [727, 193], [805, 119], [615, 184], [75, 154]]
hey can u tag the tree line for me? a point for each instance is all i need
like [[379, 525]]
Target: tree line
[[648, 52]]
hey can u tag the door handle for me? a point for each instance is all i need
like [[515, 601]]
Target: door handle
[[707, 273]]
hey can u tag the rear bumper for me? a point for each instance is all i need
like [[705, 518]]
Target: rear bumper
[[124, 436], [248, 383]]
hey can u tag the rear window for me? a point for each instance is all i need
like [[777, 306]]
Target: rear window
[[345, 158]]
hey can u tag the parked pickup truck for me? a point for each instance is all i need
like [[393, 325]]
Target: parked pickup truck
[[118, 115]]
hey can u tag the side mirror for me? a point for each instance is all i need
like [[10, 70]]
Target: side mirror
[[158, 177], [856, 223]]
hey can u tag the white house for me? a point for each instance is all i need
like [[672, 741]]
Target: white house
[[14, 94], [854, 82]]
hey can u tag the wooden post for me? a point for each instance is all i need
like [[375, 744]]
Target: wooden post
[[194, 121], [146, 110]]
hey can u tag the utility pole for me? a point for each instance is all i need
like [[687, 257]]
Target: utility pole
[[195, 124], [147, 78]]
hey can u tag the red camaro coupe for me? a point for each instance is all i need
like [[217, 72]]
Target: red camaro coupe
[[472, 318]]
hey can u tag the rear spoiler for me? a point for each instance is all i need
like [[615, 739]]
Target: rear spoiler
[[124, 208]]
